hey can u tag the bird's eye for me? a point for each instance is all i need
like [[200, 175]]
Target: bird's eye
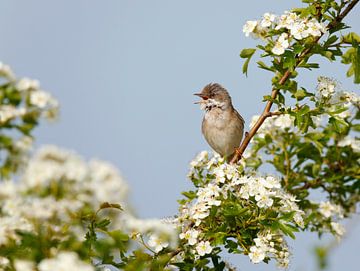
[[205, 97]]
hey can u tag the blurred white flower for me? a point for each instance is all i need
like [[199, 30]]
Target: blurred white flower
[[40, 98], [249, 27], [284, 121], [65, 261], [299, 220], [24, 144], [26, 84], [4, 261], [22, 265], [257, 254], [8, 112], [350, 141], [6, 72], [199, 159], [157, 243], [203, 248], [338, 229], [328, 209], [326, 86]]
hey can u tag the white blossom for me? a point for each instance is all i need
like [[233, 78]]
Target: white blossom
[[6, 72], [157, 242], [4, 261], [326, 86], [23, 265], [249, 27], [264, 200], [8, 112], [199, 159], [257, 254], [267, 20], [284, 121], [350, 141], [328, 209], [190, 235], [299, 30], [281, 44], [204, 248], [26, 84], [270, 182], [315, 28], [338, 229], [40, 98]]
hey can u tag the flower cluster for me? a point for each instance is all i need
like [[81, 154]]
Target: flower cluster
[[326, 86], [280, 123], [333, 213], [330, 95], [57, 185], [23, 104], [268, 243], [55, 189], [221, 185], [290, 25]]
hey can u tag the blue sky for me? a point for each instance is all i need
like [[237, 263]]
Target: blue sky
[[125, 71]]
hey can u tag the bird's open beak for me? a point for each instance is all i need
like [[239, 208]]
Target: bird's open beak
[[202, 96]]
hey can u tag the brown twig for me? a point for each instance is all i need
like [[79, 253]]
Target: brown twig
[[266, 113]]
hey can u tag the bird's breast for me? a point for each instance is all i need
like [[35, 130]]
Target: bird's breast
[[222, 130]]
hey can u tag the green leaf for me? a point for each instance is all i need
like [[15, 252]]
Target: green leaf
[[189, 194], [102, 224], [350, 38], [338, 124], [286, 229], [247, 53], [352, 57], [309, 66], [106, 205], [330, 40], [289, 60], [262, 65]]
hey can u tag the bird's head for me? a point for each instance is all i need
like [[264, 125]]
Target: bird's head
[[214, 95]]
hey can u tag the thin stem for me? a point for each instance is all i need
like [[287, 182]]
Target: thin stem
[[248, 136], [145, 245], [288, 164]]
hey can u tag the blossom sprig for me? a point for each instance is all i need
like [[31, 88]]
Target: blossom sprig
[[289, 26], [324, 158], [22, 105], [250, 201]]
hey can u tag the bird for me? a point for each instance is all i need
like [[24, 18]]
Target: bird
[[222, 126]]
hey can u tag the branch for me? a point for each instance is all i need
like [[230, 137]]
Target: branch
[[266, 113]]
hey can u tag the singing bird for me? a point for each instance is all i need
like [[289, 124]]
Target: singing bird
[[222, 125]]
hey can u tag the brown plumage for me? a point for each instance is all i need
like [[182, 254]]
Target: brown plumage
[[222, 125]]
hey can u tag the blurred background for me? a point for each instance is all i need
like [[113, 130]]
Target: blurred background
[[124, 72]]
